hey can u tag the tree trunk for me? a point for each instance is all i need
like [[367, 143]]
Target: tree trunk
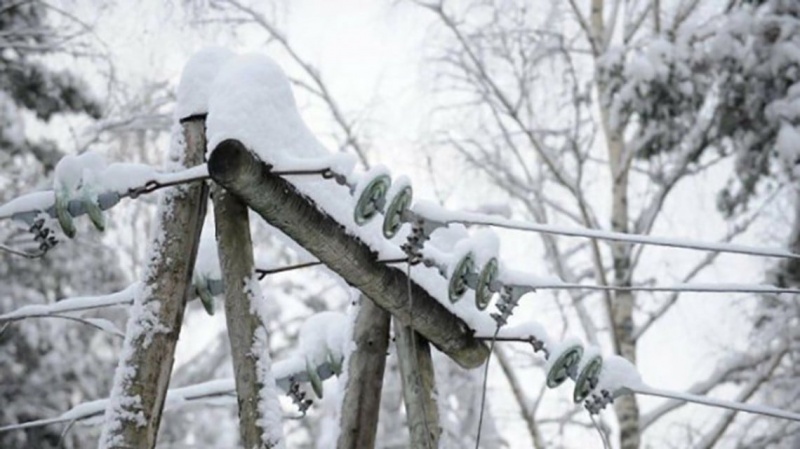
[[362, 397], [419, 387], [142, 377], [625, 407], [277, 201]]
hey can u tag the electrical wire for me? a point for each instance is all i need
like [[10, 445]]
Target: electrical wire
[[488, 220], [603, 436], [714, 402], [687, 288], [413, 337], [484, 388]]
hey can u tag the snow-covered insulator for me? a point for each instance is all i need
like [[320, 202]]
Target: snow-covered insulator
[[588, 374], [413, 245], [563, 363], [508, 301], [598, 402], [94, 211], [201, 286], [43, 235], [457, 285], [335, 363], [483, 289], [371, 193], [314, 379], [63, 215], [299, 397], [399, 200], [90, 201]]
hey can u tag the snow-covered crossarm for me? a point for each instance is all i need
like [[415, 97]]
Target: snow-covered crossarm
[[437, 215], [287, 372], [279, 202]]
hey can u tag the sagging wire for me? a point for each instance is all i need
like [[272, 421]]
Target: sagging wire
[[470, 218], [603, 436], [62, 438], [484, 387], [509, 299], [412, 251], [263, 272]]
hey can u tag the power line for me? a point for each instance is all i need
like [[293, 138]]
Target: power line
[[443, 218]]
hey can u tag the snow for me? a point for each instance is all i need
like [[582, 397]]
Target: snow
[[75, 304], [12, 126], [85, 410], [207, 263], [484, 245], [116, 178], [557, 349], [347, 345], [142, 323], [252, 101], [196, 78], [68, 173], [617, 376], [324, 335], [432, 211], [269, 409], [177, 398], [589, 353], [787, 144], [526, 330], [28, 202], [363, 179]]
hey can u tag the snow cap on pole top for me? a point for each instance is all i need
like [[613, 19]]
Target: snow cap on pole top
[[198, 75], [252, 102]]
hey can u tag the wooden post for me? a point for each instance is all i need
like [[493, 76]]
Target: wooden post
[[234, 167], [142, 377], [362, 397], [235, 249], [419, 387]]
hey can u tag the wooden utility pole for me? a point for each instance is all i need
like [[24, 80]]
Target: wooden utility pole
[[419, 387], [142, 377], [362, 394], [245, 324]]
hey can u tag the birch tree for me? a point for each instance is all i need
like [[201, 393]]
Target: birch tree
[[549, 96]]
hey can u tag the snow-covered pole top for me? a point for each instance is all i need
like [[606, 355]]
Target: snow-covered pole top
[[197, 78], [252, 101]]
